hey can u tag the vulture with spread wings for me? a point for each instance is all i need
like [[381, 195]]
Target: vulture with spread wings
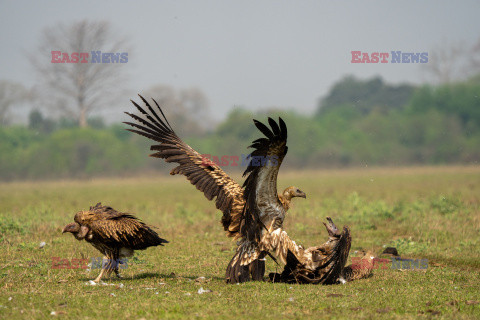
[[252, 213], [115, 234]]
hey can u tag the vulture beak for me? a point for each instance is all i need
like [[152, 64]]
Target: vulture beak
[[302, 194], [331, 228], [69, 227]]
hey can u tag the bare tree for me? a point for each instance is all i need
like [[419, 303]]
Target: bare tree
[[11, 93], [76, 89], [453, 62], [188, 108]]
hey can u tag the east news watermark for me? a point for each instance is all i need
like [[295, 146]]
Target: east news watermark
[[357, 263], [95, 56], [397, 57]]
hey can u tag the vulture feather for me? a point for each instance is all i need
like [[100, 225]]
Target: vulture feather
[[115, 234]]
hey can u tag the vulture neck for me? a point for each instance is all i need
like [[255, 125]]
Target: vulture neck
[[285, 199]]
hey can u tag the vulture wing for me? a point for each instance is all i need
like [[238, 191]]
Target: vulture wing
[[263, 213], [203, 174], [263, 209], [117, 229]]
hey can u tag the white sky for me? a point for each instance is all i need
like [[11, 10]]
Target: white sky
[[250, 53]]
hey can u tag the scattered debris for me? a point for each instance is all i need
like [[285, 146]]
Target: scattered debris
[[113, 294], [42, 244], [188, 294], [202, 291], [291, 299], [10, 298], [120, 286]]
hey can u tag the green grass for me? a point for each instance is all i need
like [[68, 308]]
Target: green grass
[[426, 213]]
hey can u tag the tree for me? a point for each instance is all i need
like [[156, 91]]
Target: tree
[[37, 122], [10, 94], [186, 108], [362, 96], [453, 62], [90, 84]]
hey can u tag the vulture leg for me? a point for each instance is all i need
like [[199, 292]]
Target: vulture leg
[[109, 264], [116, 270], [97, 280]]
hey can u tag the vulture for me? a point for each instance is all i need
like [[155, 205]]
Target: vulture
[[324, 264], [115, 234], [253, 213]]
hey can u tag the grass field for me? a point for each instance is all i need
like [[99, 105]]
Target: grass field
[[426, 213]]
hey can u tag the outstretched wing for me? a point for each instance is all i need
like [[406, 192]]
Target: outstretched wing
[[203, 174], [263, 209]]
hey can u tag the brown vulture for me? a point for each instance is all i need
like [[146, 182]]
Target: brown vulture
[[324, 264], [115, 234]]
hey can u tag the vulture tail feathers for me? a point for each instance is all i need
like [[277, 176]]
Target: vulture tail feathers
[[257, 269], [237, 273]]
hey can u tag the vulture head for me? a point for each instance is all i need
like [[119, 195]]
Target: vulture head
[[332, 228], [78, 231], [292, 192]]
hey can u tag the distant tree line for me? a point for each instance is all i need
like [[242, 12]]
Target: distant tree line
[[371, 123], [360, 122]]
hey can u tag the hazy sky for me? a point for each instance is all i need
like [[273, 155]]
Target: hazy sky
[[256, 54]]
